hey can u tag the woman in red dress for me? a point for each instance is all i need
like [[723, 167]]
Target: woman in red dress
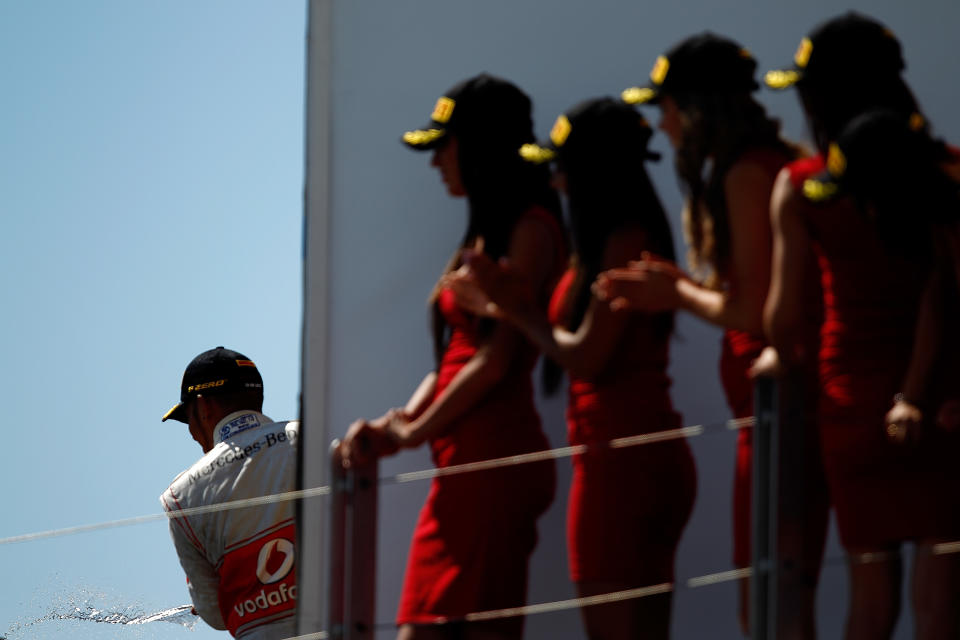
[[728, 153], [475, 533], [627, 506], [871, 221]]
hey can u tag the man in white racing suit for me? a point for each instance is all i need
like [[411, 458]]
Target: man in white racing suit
[[240, 562]]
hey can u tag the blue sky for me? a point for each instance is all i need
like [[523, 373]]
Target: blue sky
[[151, 180]]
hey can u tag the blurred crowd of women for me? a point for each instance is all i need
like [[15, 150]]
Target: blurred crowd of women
[[835, 267]]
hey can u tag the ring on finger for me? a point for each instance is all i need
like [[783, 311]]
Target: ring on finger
[[896, 431]]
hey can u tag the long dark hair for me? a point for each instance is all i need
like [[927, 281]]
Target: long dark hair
[[831, 102], [608, 191], [500, 187], [892, 168], [717, 129]]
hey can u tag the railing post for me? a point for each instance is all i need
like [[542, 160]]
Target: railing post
[[353, 548], [792, 588], [336, 562], [361, 606], [764, 580]]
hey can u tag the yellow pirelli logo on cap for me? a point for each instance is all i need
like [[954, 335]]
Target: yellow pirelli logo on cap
[[659, 72], [443, 110], [836, 161], [560, 132], [802, 56]]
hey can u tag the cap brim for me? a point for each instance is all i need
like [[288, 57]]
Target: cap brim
[[641, 95], [541, 153], [178, 413], [538, 153], [782, 78], [822, 187], [425, 139]]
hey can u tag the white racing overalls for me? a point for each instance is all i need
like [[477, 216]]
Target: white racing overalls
[[240, 563]]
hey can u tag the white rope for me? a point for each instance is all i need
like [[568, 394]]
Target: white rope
[[589, 601], [426, 474], [574, 603], [706, 580], [182, 513], [561, 452], [946, 547], [717, 578]]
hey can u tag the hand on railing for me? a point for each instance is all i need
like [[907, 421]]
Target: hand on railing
[[368, 440], [904, 422], [767, 365]]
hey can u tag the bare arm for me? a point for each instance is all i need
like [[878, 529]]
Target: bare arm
[[531, 240], [421, 396], [656, 285], [747, 186], [783, 311], [585, 352]]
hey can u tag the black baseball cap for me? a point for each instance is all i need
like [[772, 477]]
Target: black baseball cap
[[592, 125], [850, 46], [704, 63], [485, 105], [862, 154], [214, 372]]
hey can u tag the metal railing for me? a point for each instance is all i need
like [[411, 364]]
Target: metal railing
[[353, 549], [775, 573]]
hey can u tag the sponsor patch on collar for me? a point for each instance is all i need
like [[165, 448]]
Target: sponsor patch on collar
[[239, 425]]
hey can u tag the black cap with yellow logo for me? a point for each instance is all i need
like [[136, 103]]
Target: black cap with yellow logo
[[214, 372], [594, 126], [863, 155], [704, 63], [484, 105], [848, 47]]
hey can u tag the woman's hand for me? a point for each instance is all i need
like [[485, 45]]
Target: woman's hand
[[903, 422], [365, 441], [767, 365], [645, 285], [469, 294], [491, 289]]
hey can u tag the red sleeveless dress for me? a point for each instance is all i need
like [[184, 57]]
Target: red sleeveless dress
[[476, 531], [627, 507], [883, 493]]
